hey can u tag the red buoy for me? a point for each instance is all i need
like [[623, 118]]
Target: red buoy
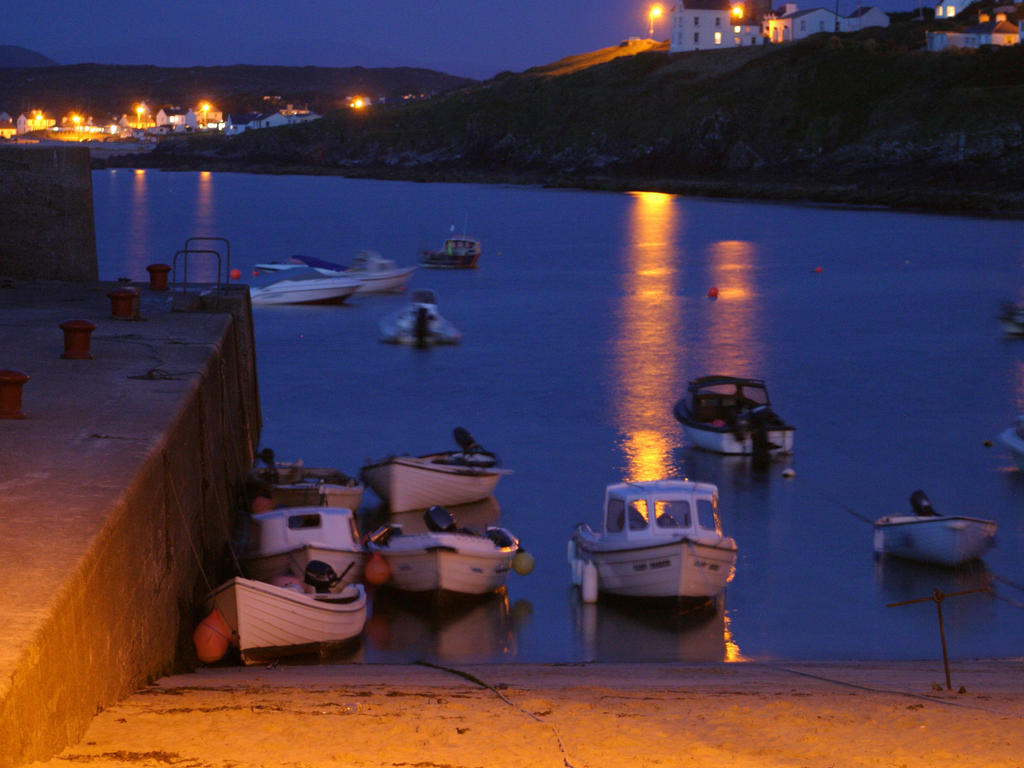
[[713, 292], [236, 274]]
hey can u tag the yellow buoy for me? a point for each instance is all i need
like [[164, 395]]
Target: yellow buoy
[[522, 563]]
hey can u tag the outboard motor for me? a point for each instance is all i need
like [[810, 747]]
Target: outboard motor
[[466, 441], [439, 520], [922, 505], [422, 328], [321, 576]]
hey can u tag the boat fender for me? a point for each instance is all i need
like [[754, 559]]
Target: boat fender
[[522, 562], [589, 583], [377, 571], [212, 637]]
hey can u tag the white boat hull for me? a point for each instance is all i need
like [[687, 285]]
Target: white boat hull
[[446, 562], [940, 540], [408, 483], [1013, 442], [268, 621], [679, 569], [297, 292], [721, 441], [324, 494]]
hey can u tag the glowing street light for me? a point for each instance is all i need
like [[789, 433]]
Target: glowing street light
[[205, 109], [737, 11], [139, 109], [76, 119], [654, 13]]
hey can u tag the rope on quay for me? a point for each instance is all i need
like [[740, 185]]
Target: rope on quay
[[891, 692], [477, 681]]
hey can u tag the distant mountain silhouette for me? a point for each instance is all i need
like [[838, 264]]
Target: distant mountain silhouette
[[16, 56]]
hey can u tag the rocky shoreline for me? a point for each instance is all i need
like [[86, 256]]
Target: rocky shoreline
[[871, 190]]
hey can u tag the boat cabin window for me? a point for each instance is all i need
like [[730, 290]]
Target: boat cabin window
[[672, 514], [707, 515], [638, 517], [296, 522], [754, 396], [615, 515]]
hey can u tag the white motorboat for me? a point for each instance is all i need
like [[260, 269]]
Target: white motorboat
[[419, 323], [732, 415], [1011, 317], [375, 273], [292, 484], [659, 539], [1013, 439], [287, 539], [929, 537], [406, 483], [268, 621], [445, 559], [458, 252], [301, 286]]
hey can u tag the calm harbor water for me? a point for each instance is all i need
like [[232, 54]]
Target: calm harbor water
[[587, 317]]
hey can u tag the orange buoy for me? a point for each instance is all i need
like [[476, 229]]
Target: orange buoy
[[261, 504], [236, 274], [211, 638], [376, 571], [713, 292]]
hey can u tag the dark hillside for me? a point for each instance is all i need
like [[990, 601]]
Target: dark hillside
[[867, 117], [16, 56]]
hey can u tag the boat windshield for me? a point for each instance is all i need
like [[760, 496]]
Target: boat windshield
[[638, 517], [755, 395], [707, 515], [672, 514]]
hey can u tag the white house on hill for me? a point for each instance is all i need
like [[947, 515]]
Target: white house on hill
[[950, 8], [862, 18], [793, 24], [699, 25], [987, 31]]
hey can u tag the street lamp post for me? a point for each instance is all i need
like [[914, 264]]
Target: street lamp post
[[654, 13], [205, 109], [139, 109]]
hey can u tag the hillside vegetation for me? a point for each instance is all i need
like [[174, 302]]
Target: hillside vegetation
[[868, 117]]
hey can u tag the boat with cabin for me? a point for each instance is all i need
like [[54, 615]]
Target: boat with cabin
[[732, 415], [457, 252], [659, 539]]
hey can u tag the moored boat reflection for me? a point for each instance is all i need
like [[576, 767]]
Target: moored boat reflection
[[612, 631], [401, 628]]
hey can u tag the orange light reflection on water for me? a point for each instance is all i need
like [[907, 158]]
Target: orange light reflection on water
[[648, 347], [731, 331]]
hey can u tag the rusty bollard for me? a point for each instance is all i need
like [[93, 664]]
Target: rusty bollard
[[124, 303], [76, 339], [158, 277], [11, 383]]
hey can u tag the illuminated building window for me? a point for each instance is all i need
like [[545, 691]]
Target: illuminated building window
[[950, 11], [736, 40], [736, 30], [718, 38]]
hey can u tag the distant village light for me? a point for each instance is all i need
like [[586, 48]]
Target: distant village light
[[358, 102]]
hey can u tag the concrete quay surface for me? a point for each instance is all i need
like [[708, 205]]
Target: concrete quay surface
[[746, 715], [116, 490]]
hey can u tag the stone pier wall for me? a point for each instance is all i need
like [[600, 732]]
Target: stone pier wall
[[124, 614]]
